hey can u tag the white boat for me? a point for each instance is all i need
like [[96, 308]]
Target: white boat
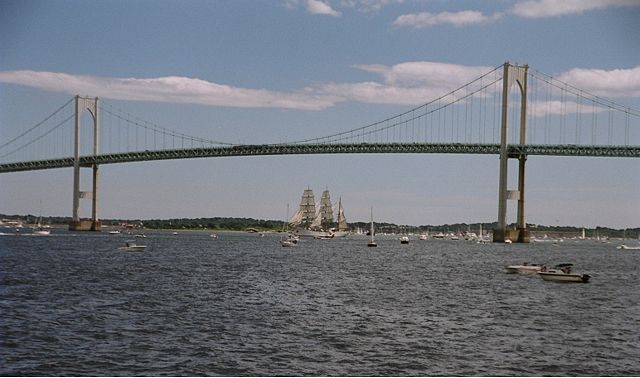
[[317, 221], [424, 237], [287, 243], [132, 246], [290, 241], [372, 242], [525, 268], [404, 240], [562, 273], [38, 229], [624, 246], [114, 232]]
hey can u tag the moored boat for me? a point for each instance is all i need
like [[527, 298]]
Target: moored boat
[[372, 242], [132, 246], [624, 246], [525, 268]]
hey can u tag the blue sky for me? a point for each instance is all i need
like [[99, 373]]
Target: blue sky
[[275, 71]]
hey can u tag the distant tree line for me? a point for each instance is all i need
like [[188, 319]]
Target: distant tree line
[[244, 224]]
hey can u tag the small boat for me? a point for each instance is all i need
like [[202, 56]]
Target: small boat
[[404, 240], [288, 243], [372, 242], [132, 246], [291, 241], [439, 236], [38, 229], [624, 246], [562, 273], [424, 237], [114, 232], [525, 268]]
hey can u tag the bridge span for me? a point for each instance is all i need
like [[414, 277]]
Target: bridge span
[[310, 149], [510, 111]]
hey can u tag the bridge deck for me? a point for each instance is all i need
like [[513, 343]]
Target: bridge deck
[[308, 149]]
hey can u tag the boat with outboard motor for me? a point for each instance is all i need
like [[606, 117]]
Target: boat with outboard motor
[[562, 273]]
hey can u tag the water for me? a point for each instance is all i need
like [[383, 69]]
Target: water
[[243, 305]]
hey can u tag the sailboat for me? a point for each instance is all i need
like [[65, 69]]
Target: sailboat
[[372, 242], [289, 242], [39, 229], [316, 221]]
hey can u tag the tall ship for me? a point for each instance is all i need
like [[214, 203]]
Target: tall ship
[[317, 220]]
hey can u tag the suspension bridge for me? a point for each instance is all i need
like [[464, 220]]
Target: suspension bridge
[[512, 111]]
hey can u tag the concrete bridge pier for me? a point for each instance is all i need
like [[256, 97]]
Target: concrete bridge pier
[[77, 224], [512, 75]]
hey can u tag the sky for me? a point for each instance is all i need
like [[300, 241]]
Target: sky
[[284, 70]]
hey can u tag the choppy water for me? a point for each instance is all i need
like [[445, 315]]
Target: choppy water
[[243, 305]]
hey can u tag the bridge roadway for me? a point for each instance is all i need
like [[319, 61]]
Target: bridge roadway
[[308, 149]]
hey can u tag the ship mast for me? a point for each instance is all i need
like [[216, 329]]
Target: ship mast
[[308, 206]]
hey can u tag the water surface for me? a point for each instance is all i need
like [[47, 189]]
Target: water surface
[[75, 304]]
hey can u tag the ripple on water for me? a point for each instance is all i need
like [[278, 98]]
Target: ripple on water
[[241, 305]]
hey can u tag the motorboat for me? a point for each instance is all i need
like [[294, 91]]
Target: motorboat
[[624, 246], [287, 243], [404, 240], [132, 246], [114, 232], [291, 241], [525, 268], [562, 273]]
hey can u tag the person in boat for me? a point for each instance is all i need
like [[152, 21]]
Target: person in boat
[[544, 268]]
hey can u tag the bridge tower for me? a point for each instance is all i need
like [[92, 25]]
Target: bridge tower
[[91, 105], [513, 74]]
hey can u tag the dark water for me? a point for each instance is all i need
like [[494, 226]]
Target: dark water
[[243, 305]]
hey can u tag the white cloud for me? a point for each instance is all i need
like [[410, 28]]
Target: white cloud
[[369, 5], [427, 73], [613, 83], [320, 7], [557, 107], [166, 89], [552, 8], [408, 83], [458, 19], [525, 9]]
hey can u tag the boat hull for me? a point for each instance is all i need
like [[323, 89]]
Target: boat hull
[[564, 277], [306, 233], [523, 269]]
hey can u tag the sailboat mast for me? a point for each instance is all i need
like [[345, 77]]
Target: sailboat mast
[[372, 224]]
